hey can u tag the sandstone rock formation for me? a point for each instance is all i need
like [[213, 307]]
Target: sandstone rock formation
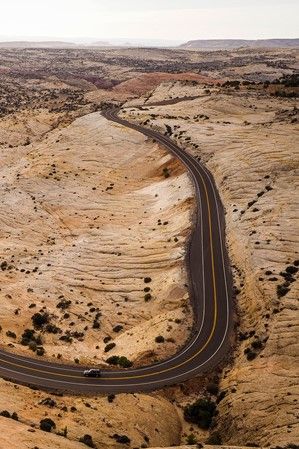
[[248, 141], [87, 215], [141, 418]]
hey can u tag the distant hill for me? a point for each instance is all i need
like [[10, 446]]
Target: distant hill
[[228, 44], [42, 44], [100, 44]]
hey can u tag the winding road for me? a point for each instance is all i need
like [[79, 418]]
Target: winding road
[[210, 289]]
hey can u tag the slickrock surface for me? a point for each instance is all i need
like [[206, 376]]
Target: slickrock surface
[[93, 234], [141, 418], [249, 142], [176, 90]]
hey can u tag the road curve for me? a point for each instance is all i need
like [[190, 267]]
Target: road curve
[[210, 289]]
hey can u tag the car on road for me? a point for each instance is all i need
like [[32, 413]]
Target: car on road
[[92, 373]]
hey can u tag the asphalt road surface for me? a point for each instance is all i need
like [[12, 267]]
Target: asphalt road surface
[[210, 289]]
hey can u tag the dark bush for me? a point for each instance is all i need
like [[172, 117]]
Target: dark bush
[[212, 389], [257, 344], [147, 297], [119, 360], [52, 329], [200, 412], [11, 334], [113, 360], [109, 347], [14, 416], [47, 424], [282, 290], [122, 439], [214, 438], [250, 355], [291, 269], [159, 339], [87, 440], [27, 336], [63, 304], [110, 398], [40, 351], [96, 325], [39, 319], [124, 362]]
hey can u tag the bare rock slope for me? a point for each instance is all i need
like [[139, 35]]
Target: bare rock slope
[[137, 417], [94, 222], [249, 142]]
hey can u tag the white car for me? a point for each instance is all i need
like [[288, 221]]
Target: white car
[[92, 373]]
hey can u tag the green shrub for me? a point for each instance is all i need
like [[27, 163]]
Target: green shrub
[[124, 362], [119, 360], [191, 439]]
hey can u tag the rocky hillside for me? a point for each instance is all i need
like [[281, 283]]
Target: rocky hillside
[[230, 44], [92, 250], [248, 141]]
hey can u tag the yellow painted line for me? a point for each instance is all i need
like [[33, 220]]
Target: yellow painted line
[[155, 373]]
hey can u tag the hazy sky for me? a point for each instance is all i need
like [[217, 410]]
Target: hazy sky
[[149, 19]]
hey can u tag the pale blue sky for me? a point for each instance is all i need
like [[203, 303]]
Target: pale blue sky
[[180, 20]]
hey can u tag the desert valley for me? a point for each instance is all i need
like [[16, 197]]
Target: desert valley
[[95, 223]]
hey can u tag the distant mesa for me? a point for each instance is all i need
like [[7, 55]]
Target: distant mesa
[[101, 44], [41, 44], [229, 44]]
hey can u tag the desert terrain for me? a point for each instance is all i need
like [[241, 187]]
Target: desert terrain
[[95, 219]]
